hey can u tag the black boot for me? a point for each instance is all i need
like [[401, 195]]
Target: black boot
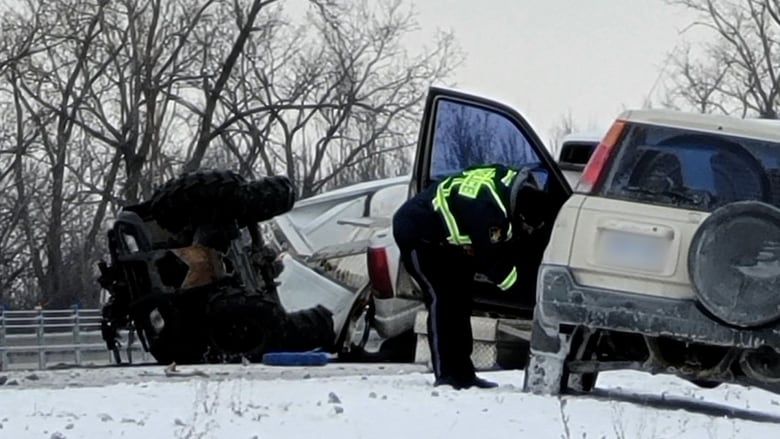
[[465, 383]]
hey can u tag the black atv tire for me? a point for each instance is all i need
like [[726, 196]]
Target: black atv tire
[[239, 321], [219, 197], [201, 197], [178, 341], [265, 198], [242, 323]]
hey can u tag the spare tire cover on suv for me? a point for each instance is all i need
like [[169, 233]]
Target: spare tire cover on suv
[[734, 263]]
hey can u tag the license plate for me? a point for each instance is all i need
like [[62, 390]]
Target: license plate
[[634, 251]]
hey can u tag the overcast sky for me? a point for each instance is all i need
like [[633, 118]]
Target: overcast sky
[[548, 57]]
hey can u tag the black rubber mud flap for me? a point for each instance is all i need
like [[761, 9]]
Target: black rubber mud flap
[[734, 264]]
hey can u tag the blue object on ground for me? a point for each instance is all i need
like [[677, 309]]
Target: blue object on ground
[[296, 358]]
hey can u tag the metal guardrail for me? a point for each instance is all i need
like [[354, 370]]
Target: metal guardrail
[[32, 339]]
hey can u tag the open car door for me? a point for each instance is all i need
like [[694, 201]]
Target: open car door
[[460, 130]]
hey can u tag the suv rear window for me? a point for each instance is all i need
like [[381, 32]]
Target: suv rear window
[[692, 170]]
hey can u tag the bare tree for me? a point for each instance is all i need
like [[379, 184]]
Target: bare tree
[[213, 91], [103, 100], [379, 85], [316, 100], [738, 71], [346, 92], [49, 86], [134, 109], [564, 126], [22, 254]]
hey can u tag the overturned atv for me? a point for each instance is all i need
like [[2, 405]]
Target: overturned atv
[[190, 274]]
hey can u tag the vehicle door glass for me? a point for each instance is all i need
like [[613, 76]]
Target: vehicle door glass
[[466, 135]]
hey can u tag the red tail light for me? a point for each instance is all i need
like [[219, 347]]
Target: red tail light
[[379, 273], [594, 170]]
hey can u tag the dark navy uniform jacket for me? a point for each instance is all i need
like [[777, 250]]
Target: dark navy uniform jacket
[[468, 211]]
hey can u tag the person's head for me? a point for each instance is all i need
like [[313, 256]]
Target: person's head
[[529, 203]]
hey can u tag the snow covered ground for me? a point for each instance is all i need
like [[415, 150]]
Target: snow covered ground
[[364, 401]]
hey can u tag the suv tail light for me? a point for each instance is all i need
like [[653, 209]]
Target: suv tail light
[[379, 273], [594, 170]]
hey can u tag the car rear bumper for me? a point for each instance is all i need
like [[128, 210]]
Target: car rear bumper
[[561, 301], [395, 316]]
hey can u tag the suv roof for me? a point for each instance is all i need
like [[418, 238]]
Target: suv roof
[[751, 128]]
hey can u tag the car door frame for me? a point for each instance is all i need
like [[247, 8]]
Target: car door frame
[[517, 307], [423, 157]]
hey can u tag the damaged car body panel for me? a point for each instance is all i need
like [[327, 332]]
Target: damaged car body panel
[[328, 235]]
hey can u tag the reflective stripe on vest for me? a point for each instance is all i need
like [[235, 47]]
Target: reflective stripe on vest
[[469, 184], [509, 280], [507, 179], [440, 205]]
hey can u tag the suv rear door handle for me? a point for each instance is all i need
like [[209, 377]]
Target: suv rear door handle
[[653, 230]]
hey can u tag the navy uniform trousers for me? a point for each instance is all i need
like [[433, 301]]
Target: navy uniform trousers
[[445, 275]]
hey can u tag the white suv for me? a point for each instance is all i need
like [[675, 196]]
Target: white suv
[[666, 259]]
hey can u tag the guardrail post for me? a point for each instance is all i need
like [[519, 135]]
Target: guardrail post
[[2, 325], [3, 352], [77, 333], [130, 341], [40, 334]]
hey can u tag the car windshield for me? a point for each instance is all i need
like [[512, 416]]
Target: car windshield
[[693, 170]]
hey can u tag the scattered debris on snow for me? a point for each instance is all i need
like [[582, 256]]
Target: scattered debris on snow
[[172, 371]]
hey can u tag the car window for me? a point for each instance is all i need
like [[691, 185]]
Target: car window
[[575, 155], [693, 170], [467, 135]]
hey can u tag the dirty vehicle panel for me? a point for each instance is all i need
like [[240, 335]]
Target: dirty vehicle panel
[[667, 258]]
